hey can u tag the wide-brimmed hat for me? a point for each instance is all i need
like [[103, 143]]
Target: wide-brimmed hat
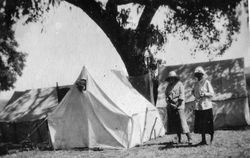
[[172, 74], [200, 70]]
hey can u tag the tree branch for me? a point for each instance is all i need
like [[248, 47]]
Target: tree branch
[[121, 2], [101, 17], [147, 16]]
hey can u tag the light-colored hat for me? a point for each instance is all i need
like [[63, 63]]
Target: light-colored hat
[[199, 69], [172, 74]]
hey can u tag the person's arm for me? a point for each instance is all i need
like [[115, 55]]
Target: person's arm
[[166, 96], [169, 100], [210, 92], [193, 90], [181, 96], [179, 102]]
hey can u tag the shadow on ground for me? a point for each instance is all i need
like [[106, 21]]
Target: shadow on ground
[[169, 145]]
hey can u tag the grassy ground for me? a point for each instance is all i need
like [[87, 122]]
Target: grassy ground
[[227, 143]]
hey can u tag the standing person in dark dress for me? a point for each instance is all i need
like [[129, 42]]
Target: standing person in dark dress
[[175, 98], [203, 93]]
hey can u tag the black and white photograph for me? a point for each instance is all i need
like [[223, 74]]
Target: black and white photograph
[[124, 78]]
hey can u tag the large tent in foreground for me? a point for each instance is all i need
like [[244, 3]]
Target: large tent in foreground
[[230, 103], [109, 113]]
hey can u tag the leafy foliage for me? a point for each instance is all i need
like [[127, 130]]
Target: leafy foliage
[[11, 60], [210, 24]]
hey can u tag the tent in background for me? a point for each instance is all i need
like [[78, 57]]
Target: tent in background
[[230, 103], [26, 115], [110, 113], [15, 96]]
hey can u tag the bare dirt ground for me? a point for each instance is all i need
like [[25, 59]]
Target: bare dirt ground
[[227, 143]]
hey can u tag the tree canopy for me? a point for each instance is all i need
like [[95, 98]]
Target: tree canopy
[[11, 60], [211, 24]]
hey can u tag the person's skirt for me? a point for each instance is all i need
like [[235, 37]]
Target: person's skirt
[[203, 122], [176, 121]]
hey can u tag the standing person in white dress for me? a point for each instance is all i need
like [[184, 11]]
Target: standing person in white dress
[[203, 93], [175, 98]]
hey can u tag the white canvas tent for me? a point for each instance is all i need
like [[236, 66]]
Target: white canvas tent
[[109, 114], [24, 117]]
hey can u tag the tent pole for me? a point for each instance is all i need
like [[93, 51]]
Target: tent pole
[[15, 133], [49, 137], [57, 91], [145, 123], [33, 131], [151, 88], [152, 128]]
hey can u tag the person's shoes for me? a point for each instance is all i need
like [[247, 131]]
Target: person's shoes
[[190, 142], [212, 138], [202, 143]]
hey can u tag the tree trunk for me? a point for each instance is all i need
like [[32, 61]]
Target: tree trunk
[[132, 55], [133, 60], [130, 44], [131, 48]]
